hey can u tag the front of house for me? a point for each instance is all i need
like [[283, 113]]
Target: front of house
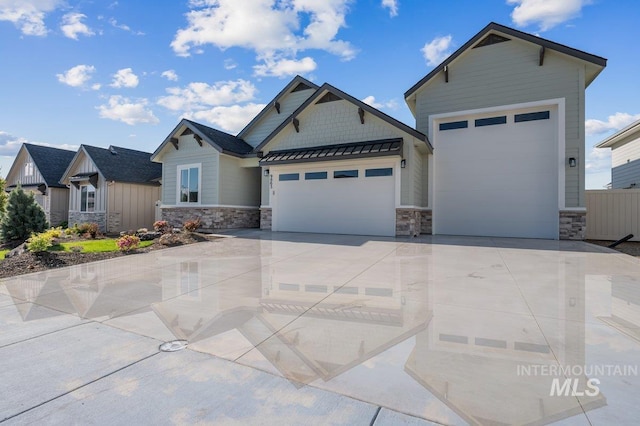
[[625, 156], [504, 154]]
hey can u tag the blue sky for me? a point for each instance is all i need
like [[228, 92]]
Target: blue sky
[[124, 72]]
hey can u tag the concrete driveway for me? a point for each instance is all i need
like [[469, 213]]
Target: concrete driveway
[[328, 329]]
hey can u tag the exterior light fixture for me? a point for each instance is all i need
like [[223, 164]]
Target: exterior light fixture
[[403, 163], [266, 172], [572, 162]]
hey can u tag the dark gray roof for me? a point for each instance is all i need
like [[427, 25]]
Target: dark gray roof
[[346, 151], [51, 162], [224, 140], [579, 54], [368, 108], [124, 165]]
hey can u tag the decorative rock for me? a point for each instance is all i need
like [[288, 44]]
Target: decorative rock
[[148, 236], [21, 249]]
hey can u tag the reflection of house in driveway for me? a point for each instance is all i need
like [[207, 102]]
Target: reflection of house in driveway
[[343, 326], [625, 306], [33, 289], [475, 360]]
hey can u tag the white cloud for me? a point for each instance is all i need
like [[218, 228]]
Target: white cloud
[[230, 64], [615, 122], [437, 50], [10, 145], [124, 78], [123, 109], [96, 86], [392, 5], [72, 25], [277, 28], [546, 13], [598, 161], [124, 27], [77, 76], [284, 67], [371, 100], [170, 75], [199, 96], [28, 15], [228, 118]]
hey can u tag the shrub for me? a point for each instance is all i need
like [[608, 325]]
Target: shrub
[[161, 226], [191, 225], [128, 242], [3, 195], [89, 230], [22, 218], [54, 232], [39, 243]]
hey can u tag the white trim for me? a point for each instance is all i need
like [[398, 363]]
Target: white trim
[[204, 206], [573, 209], [266, 207], [95, 197], [181, 167], [426, 209]]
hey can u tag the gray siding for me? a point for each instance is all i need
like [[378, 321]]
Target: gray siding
[[266, 191], [133, 205], [626, 175], [239, 186], [508, 73], [58, 205], [190, 153], [425, 180], [625, 152], [272, 119]]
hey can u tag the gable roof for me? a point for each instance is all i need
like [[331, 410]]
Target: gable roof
[[326, 87], [121, 164], [221, 141], [51, 162], [492, 28], [297, 80], [631, 130]]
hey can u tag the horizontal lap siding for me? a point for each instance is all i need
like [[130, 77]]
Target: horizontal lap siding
[[508, 73], [625, 153], [190, 152], [613, 214], [625, 163], [239, 186]]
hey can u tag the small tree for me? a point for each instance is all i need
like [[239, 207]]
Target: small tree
[[3, 196], [23, 217]]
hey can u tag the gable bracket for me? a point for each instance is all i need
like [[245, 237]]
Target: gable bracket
[[174, 142], [541, 61], [198, 139], [296, 124], [446, 73], [276, 104], [93, 180]]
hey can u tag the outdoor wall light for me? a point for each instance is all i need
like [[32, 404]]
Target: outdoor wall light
[[403, 163], [572, 162], [266, 172]]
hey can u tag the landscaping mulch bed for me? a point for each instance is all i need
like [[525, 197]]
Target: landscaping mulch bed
[[631, 248], [27, 263]]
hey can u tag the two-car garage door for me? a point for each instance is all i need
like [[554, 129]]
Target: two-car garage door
[[496, 174], [347, 199]]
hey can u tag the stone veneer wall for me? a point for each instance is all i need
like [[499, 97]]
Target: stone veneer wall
[[114, 220], [55, 218], [408, 222], [76, 218], [265, 218], [213, 217], [573, 225], [426, 222]]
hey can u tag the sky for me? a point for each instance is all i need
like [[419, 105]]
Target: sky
[[123, 73]]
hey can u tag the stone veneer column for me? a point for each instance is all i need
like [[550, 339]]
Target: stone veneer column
[[408, 222], [573, 224], [265, 218]]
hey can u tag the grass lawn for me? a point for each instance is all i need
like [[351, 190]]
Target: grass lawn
[[94, 246], [3, 253]]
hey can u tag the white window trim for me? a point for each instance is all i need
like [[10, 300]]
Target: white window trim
[[95, 198], [181, 167], [29, 169]]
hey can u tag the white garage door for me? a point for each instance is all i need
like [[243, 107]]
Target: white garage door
[[497, 174], [339, 200]]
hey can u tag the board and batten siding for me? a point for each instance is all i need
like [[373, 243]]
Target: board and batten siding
[[613, 214], [508, 73], [20, 177], [134, 203], [190, 152], [83, 164], [239, 186], [58, 204], [288, 103]]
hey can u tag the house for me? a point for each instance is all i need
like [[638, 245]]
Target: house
[[498, 150], [38, 169], [117, 188], [625, 156]]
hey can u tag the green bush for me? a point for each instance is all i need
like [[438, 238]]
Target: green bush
[[40, 242], [22, 218]]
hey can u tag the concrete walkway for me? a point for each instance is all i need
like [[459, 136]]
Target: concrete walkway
[[327, 329]]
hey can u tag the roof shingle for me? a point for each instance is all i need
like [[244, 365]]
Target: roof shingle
[[51, 162], [124, 165]]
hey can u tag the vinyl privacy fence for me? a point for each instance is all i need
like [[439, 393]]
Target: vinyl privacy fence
[[613, 214]]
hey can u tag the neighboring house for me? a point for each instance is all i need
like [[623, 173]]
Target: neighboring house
[[38, 169], [625, 156], [505, 114], [117, 188], [504, 156]]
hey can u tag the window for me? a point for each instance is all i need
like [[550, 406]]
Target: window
[[87, 198], [28, 169], [342, 174], [189, 184], [378, 172], [491, 121], [289, 176], [189, 278], [532, 116], [454, 125], [315, 175]]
